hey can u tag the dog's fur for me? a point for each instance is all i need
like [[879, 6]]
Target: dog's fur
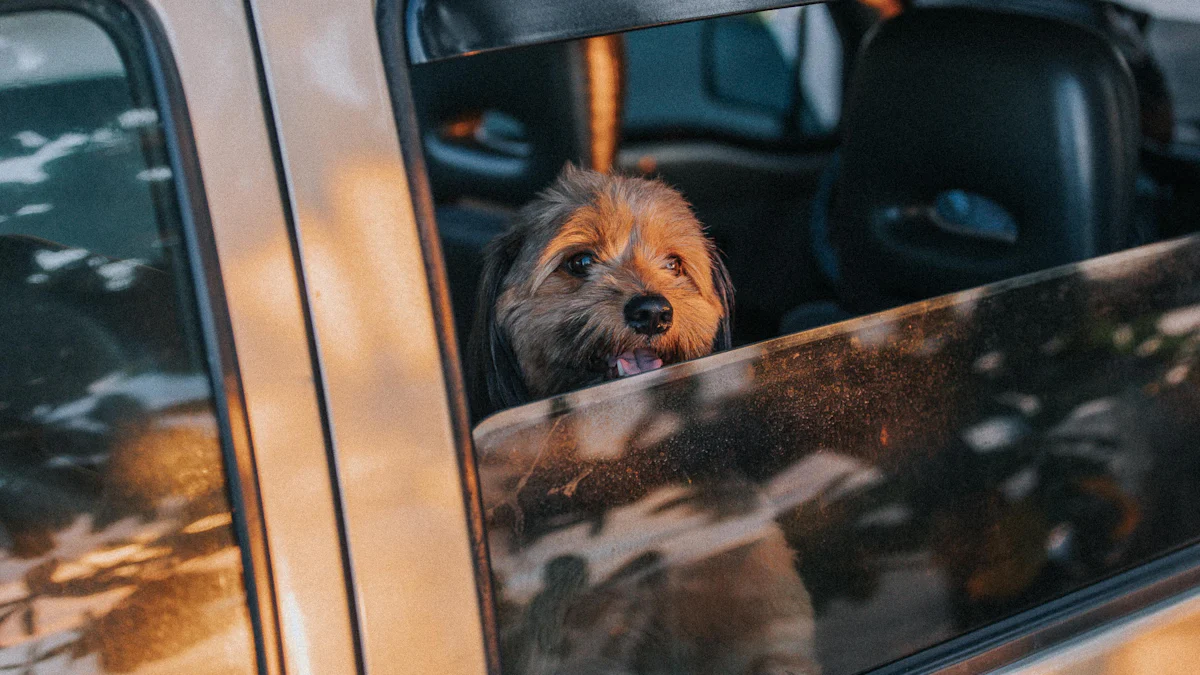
[[541, 331], [542, 328]]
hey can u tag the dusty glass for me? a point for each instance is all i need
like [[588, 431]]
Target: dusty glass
[[117, 546], [849, 495]]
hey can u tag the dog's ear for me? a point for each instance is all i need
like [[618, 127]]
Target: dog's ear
[[569, 171], [495, 379], [723, 285]]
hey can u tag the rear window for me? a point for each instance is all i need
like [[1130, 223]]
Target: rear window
[[773, 76]]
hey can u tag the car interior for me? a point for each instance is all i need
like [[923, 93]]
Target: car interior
[[961, 143]]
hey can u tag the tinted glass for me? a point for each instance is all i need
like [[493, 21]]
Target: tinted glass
[[117, 549], [769, 76], [852, 494]]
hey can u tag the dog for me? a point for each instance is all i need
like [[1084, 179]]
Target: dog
[[601, 276]]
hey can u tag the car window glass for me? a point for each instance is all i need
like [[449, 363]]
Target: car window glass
[[117, 547], [820, 70], [765, 76], [850, 495]]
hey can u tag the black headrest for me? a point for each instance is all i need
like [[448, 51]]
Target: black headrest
[[981, 145], [500, 125], [1125, 28]]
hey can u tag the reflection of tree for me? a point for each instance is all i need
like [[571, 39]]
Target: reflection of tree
[[161, 610], [164, 574], [116, 538], [1028, 441]]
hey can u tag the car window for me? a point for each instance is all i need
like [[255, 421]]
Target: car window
[[117, 544], [764, 76], [892, 461], [928, 470]]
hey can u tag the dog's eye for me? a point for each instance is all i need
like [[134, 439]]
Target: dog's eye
[[579, 263], [675, 265]]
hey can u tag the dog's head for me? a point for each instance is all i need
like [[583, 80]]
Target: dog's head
[[600, 277]]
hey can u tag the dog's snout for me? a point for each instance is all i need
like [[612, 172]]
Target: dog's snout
[[649, 314]]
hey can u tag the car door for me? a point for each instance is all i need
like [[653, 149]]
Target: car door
[[389, 378], [965, 481]]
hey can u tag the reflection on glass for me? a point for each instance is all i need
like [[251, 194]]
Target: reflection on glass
[[858, 492], [117, 551]]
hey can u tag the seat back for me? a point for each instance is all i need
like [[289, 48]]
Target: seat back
[[500, 125], [980, 145]]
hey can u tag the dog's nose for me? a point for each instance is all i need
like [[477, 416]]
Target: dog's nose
[[649, 314]]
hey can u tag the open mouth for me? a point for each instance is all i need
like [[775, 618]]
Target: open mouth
[[637, 361]]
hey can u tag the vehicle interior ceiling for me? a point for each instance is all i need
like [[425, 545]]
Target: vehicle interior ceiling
[[846, 157]]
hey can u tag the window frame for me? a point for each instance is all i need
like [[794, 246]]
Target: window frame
[[390, 21], [442, 29], [251, 241], [1058, 621]]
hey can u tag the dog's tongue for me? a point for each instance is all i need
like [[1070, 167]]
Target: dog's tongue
[[636, 361]]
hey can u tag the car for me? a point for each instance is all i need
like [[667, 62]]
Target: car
[[240, 245]]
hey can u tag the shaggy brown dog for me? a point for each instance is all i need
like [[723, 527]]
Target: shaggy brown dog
[[600, 277]]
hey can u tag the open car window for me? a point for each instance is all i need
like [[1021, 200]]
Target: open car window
[[894, 462], [933, 469]]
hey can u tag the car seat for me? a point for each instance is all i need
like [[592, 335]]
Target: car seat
[[978, 145], [498, 127]]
